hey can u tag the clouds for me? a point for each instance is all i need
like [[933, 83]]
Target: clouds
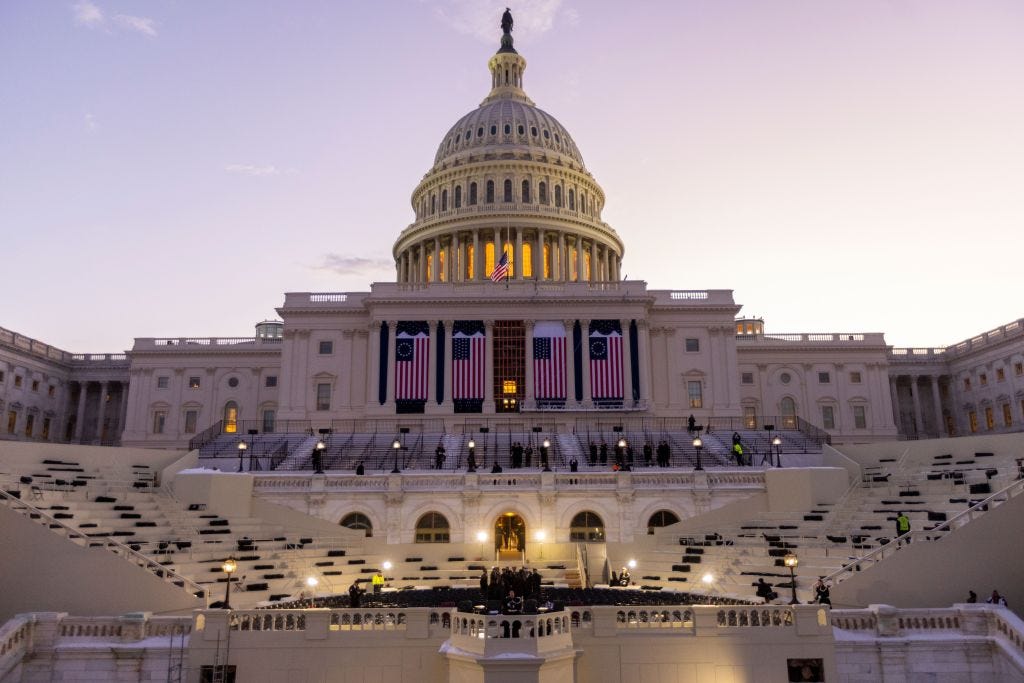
[[89, 15], [355, 265], [482, 20]]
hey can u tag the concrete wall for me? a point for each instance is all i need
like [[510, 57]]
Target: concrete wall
[[43, 571], [228, 495], [15, 453], [796, 490]]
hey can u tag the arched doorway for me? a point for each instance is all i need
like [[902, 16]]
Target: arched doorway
[[509, 535]]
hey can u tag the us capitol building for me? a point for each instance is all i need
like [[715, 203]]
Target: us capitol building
[[400, 416]]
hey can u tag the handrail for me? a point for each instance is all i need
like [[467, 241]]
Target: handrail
[[1009, 491], [114, 546]]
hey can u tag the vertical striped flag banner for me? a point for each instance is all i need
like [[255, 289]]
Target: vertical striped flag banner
[[468, 358], [605, 359], [412, 360], [549, 360]]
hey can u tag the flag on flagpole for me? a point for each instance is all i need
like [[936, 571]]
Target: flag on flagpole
[[549, 360], [500, 268]]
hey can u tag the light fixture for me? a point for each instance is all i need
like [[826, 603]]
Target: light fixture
[[708, 578], [481, 536], [547, 444], [396, 445], [471, 444], [540, 536], [622, 443], [312, 581], [387, 565], [631, 564], [697, 445], [241, 453], [228, 566], [791, 561]]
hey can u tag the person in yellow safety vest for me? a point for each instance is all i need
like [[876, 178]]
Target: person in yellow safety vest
[[737, 450], [902, 525], [378, 582]]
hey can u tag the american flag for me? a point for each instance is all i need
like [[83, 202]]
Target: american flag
[[500, 268], [468, 357], [412, 359], [605, 359], [549, 360]]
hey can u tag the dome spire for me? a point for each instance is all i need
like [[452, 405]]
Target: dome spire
[[507, 67]]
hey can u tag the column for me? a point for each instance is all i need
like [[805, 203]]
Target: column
[[454, 259], [373, 380], [937, 403], [579, 259], [477, 261], [528, 391], [919, 430], [593, 261], [489, 366], [895, 397], [423, 263], [616, 269], [627, 365], [101, 411], [538, 256], [644, 352], [561, 275], [517, 256], [80, 415], [570, 382], [435, 266], [585, 362], [432, 366], [392, 331], [448, 324]]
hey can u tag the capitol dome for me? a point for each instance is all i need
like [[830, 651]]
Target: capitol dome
[[507, 178]]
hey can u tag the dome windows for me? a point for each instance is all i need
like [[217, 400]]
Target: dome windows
[[572, 199], [542, 192], [558, 196], [508, 129], [467, 134], [522, 129], [494, 130], [547, 135], [526, 192], [490, 192], [533, 131], [480, 132], [508, 192], [444, 200], [458, 196], [558, 138], [472, 194], [433, 204]]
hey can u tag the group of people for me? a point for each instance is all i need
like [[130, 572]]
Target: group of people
[[621, 579], [510, 587], [994, 599], [822, 592]]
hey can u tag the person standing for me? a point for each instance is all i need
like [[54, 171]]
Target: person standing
[[378, 582], [902, 526], [997, 599], [354, 595], [439, 455], [822, 592]]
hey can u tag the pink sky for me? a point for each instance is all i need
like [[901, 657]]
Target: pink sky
[[172, 168]]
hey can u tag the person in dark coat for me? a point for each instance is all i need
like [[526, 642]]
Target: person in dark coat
[[593, 453], [355, 594], [483, 584]]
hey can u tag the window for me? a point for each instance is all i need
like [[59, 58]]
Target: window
[[323, 396], [1018, 369], [458, 196], [433, 203], [520, 129], [828, 417], [432, 528], [824, 378], [326, 348], [444, 200], [990, 418], [35, 385], [472, 194], [232, 382], [661, 518], [45, 435], [230, 417], [494, 130], [855, 378], [533, 131], [747, 378], [788, 409], [572, 199], [508, 129], [860, 418], [526, 192], [692, 345], [17, 380], [693, 390], [490, 192], [558, 196], [12, 420], [30, 424], [542, 192], [586, 526], [193, 382], [480, 132], [3, 374], [1000, 375], [51, 391], [750, 417], [191, 418], [358, 521], [967, 383], [270, 381], [983, 379], [269, 417], [159, 421], [507, 191], [1007, 415], [222, 673], [972, 418]]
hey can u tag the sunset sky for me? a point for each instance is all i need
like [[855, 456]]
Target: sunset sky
[[172, 167]]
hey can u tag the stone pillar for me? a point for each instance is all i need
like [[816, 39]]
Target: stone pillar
[[627, 366], [432, 368], [454, 259], [580, 272], [914, 390], [101, 411], [448, 324], [517, 256], [528, 391], [561, 274], [538, 258], [80, 415], [392, 331], [435, 265], [477, 260], [593, 261], [585, 362], [423, 263], [895, 397], [644, 352], [937, 403], [489, 366], [570, 382]]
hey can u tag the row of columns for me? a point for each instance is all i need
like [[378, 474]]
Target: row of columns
[[101, 410], [528, 390], [932, 385], [413, 267]]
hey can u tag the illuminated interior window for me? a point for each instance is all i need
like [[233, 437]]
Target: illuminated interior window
[[470, 257], [430, 267], [230, 417], [508, 386], [488, 259], [547, 261], [527, 259], [573, 263], [441, 276], [586, 266]]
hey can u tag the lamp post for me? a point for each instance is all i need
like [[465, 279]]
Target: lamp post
[[540, 536], [777, 442], [396, 446], [544, 455], [471, 460], [228, 567], [318, 457], [241, 453], [481, 537], [791, 561], [698, 444]]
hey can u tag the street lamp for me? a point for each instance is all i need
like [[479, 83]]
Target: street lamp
[[471, 459], [241, 453], [777, 442], [318, 457], [791, 561], [698, 444], [540, 536], [481, 537], [396, 446], [228, 567], [312, 581], [544, 455]]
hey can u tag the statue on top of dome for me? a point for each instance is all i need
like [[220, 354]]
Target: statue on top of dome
[[506, 21]]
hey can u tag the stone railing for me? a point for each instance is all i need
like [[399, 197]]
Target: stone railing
[[15, 641], [994, 336], [491, 635], [854, 338], [37, 348], [202, 343]]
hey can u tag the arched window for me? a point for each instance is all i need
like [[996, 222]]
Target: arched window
[[230, 417], [508, 129], [433, 203], [432, 528], [586, 526], [458, 196], [508, 191], [526, 192], [788, 408], [572, 200], [542, 192], [494, 130], [472, 194], [444, 200], [583, 202], [490, 192], [358, 521], [527, 259], [661, 518], [558, 196]]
